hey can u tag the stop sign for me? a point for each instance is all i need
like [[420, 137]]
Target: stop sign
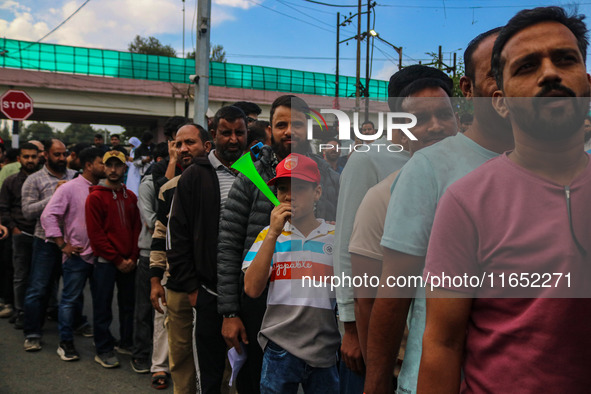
[[16, 105]]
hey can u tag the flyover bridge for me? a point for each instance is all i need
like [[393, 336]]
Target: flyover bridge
[[89, 85]]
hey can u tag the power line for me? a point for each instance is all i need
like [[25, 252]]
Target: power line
[[303, 13], [315, 9], [65, 20], [290, 16], [52, 31], [464, 7], [331, 5], [245, 55]]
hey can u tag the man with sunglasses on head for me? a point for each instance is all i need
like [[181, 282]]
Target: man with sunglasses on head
[[251, 110]]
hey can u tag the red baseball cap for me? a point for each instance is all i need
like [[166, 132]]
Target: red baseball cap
[[299, 167]]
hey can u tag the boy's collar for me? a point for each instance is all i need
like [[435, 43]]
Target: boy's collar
[[323, 229]]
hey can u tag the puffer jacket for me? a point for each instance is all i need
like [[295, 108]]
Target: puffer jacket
[[247, 212]]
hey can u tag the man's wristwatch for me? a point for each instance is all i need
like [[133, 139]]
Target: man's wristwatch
[[230, 315], [62, 246]]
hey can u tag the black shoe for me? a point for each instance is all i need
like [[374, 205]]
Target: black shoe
[[20, 320], [52, 314], [13, 317], [67, 351], [85, 330], [122, 349], [140, 365], [107, 360]]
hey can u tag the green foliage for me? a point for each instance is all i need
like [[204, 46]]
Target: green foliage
[[218, 54], [37, 131], [461, 105], [76, 133], [133, 131], [150, 46], [6, 134]]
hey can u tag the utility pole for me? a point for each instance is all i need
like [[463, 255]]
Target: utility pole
[[438, 62], [336, 91], [202, 62], [358, 73], [183, 29], [368, 37]]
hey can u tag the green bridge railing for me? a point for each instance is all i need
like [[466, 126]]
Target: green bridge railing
[[108, 63]]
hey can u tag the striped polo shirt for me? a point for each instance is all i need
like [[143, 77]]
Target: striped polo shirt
[[225, 177], [300, 314]]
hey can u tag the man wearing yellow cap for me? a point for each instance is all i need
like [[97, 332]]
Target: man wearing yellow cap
[[113, 223]]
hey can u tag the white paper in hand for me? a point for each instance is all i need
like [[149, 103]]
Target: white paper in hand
[[236, 361]]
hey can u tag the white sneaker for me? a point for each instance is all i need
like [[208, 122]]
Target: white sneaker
[[7, 311], [32, 344]]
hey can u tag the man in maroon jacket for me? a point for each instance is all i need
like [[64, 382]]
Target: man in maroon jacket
[[113, 223]]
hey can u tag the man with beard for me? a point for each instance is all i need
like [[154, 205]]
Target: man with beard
[[21, 229], [74, 156], [192, 238], [113, 223], [332, 155], [248, 211], [66, 210], [47, 256], [13, 168], [522, 214], [410, 215]]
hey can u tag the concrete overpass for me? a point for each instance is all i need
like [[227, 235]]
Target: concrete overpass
[[130, 93]]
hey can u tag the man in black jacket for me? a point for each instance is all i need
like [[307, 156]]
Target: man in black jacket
[[199, 200], [21, 229], [247, 213]]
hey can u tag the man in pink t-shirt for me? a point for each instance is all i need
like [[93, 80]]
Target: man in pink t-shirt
[[515, 220]]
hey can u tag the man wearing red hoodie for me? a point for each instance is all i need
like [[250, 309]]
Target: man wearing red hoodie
[[113, 223]]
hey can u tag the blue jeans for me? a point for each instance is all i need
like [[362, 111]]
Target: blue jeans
[[104, 277], [75, 273], [22, 254], [144, 311], [283, 372], [45, 268], [350, 382]]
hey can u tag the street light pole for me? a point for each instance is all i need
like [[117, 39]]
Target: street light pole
[[397, 49], [202, 62]]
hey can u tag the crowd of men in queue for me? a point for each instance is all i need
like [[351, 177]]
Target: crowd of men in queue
[[209, 252]]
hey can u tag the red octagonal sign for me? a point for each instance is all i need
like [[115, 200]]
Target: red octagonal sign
[[16, 105]]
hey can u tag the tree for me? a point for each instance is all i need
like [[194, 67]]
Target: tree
[[461, 105], [150, 46], [5, 133], [133, 131], [76, 133], [218, 54], [37, 131]]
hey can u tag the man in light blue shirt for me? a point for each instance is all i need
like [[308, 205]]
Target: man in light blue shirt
[[366, 169]]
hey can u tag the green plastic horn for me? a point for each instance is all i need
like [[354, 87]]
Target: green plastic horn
[[246, 166]]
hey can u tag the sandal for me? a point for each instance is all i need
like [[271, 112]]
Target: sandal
[[160, 381]]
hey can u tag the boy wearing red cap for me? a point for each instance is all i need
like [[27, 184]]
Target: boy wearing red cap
[[299, 333]]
